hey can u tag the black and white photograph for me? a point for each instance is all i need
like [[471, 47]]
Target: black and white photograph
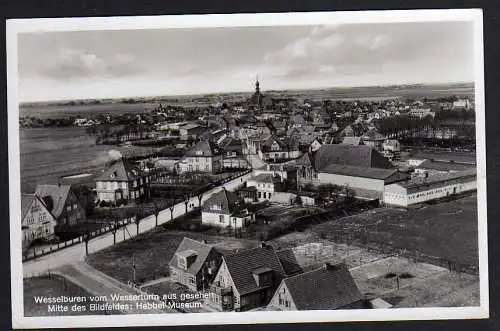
[[300, 167]]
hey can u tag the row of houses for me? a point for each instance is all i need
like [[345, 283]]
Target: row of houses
[[261, 277]]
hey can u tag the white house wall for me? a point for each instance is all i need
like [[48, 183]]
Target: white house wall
[[396, 195]]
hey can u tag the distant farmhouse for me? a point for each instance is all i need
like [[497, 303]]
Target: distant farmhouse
[[205, 156], [62, 203], [226, 209], [122, 181], [37, 223], [194, 264]]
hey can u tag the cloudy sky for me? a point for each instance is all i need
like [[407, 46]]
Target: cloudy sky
[[101, 64]]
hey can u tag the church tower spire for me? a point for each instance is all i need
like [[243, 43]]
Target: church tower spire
[[257, 88]]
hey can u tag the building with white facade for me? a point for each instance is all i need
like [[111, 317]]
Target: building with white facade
[[122, 181], [266, 184], [226, 209], [37, 223], [422, 189], [205, 156]]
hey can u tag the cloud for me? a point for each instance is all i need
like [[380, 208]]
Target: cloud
[[74, 64], [366, 48]]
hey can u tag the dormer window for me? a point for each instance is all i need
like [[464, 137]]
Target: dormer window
[[199, 152]]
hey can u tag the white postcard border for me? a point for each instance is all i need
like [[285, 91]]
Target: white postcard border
[[16, 26]]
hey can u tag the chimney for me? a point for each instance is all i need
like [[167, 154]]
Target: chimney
[[204, 241], [327, 266]]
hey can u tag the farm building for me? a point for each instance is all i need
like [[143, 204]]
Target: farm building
[[422, 189], [194, 264], [226, 209], [36, 220], [248, 279], [326, 288], [122, 181], [361, 168]]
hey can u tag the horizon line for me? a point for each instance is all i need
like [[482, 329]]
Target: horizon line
[[241, 91]]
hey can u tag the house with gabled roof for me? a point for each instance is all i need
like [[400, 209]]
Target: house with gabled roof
[[37, 223], [277, 148], [226, 209], [360, 168], [62, 203], [329, 287], [373, 139], [194, 264], [122, 180], [266, 184], [247, 279], [204, 156]]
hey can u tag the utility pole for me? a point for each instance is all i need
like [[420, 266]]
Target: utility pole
[[133, 269]]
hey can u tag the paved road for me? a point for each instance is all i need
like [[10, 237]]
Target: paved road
[[77, 252], [99, 284]]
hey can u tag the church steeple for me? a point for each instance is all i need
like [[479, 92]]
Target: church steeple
[[257, 88]]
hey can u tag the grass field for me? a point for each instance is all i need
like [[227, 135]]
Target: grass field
[[48, 153], [151, 252], [446, 230], [52, 287]]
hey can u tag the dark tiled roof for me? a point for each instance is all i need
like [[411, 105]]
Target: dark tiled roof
[[443, 166], [121, 170], [58, 194], [435, 179], [353, 141], [228, 202], [361, 156], [206, 147], [241, 266], [26, 201], [289, 262], [373, 135], [202, 251], [365, 172], [266, 178], [326, 288]]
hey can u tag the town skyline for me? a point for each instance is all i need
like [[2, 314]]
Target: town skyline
[[148, 63]]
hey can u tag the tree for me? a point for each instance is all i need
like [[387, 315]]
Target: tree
[[156, 212], [187, 199], [200, 197]]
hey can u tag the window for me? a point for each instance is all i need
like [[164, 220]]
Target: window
[[221, 218], [74, 206], [68, 208], [192, 280]]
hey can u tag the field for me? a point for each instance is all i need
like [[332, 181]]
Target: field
[[48, 153], [151, 252], [443, 233], [55, 111], [51, 287]]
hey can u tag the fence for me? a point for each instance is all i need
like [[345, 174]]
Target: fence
[[34, 253]]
